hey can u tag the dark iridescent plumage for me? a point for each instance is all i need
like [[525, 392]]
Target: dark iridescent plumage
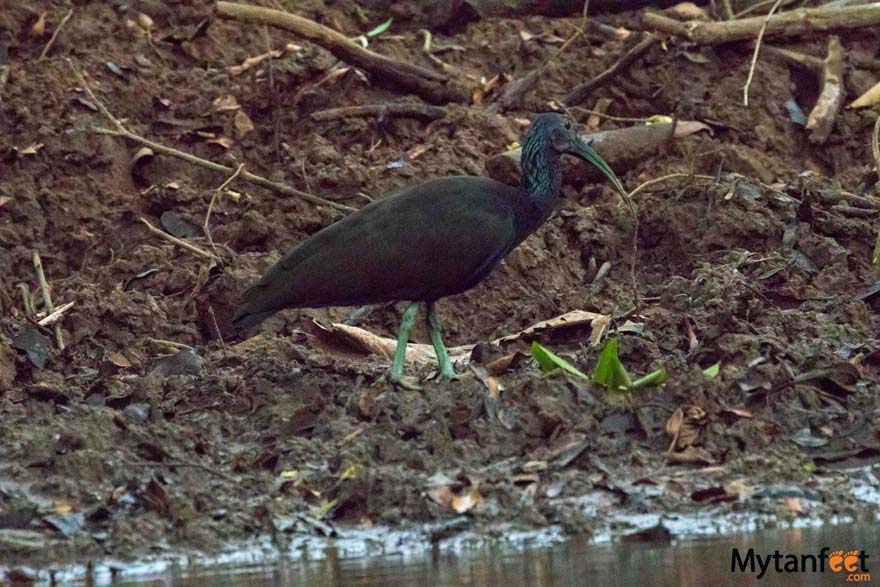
[[423, 242]]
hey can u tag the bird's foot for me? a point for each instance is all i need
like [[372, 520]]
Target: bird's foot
[[403, 381]]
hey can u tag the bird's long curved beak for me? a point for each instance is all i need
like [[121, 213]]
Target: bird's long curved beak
[[587, 153]]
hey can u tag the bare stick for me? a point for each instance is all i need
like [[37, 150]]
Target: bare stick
[[4, 77], [823, 115], [217, 328], [392, 73], [47, 297], [580, 92], [179, 242], [791, 23], [658, 180], [809, 62], [757, 50], [169, 343], [119, 130], [411, 110], [207, 225], [56, 315], [55, 35]]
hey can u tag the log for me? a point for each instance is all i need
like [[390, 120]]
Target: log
[[388, 72], [792, 23], [618, 147]]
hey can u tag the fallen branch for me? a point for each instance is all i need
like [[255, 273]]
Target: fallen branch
[[179, 242], [824, 113], [54, 36], [47, 297], [406, 109], [618, 148], [789, 24], [120, 130], [391, 73], [582, 91]]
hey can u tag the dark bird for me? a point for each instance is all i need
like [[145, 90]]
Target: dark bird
[[424, 242]]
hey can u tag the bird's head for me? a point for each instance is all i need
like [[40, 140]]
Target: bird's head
[[558, 132]]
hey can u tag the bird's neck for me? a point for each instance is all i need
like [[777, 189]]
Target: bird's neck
[[541, 177]]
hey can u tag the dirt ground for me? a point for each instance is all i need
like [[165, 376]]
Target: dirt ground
[[117, 446]]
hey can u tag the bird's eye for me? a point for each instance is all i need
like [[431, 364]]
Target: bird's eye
[[567, 125]]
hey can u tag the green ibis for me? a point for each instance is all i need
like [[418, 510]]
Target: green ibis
[[423, 242]]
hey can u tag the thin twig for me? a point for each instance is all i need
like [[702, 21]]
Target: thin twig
[[755, 54], [179, 242], [217, 329], [169, 343], [55, 35], [56, 315], [728, 9], [207, 225], [658, 180], [47, 297], [120, 131], [4, 77]]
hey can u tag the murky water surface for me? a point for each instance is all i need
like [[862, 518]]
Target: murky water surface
[[692, 562]]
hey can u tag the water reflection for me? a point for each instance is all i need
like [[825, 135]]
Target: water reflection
[[686, 563]]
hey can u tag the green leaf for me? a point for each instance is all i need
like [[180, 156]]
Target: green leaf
[[381, 28], [609, 371], [810, 467], [657, 377], [712, 371], [549, 361]]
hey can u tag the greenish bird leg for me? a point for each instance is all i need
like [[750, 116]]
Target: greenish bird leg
[[446, 369], [406, 326]]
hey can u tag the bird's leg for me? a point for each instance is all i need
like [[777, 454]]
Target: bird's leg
[[446, 369], [406, 326]]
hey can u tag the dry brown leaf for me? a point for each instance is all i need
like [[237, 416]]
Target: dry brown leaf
[[684, 128], [441, 494], [869, 98], [568, 320], [4, 200], [39, 28], [416, 152], [793, 504], [31, 149], [468, 501], [243, 124], [687, 11], [739, 488], [674, 423], [145, 21], [595, 118], [224, 142], [64, 506], [738, 413], [119, 360], [692, 455], [227, 103]]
